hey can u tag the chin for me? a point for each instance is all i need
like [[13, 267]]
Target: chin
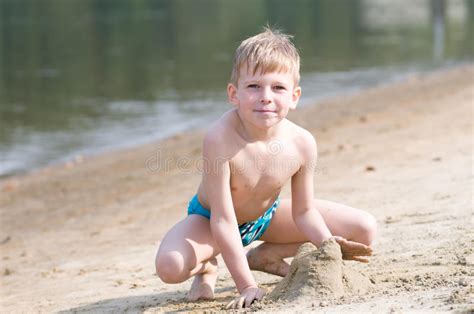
[[267, 123]]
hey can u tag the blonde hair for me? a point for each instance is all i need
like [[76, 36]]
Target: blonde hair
[[269, 51]]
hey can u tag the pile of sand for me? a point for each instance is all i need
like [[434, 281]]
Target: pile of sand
[[319, 273]]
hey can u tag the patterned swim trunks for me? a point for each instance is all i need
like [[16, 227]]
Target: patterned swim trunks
[[249, 231]]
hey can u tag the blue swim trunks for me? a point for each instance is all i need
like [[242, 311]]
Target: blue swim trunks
[[249, 231]]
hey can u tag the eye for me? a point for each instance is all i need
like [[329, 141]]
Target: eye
[[280, 87], [252, 86]]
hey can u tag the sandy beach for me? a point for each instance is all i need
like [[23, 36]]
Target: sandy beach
[[82, 237]]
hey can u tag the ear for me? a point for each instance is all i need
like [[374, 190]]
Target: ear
[[232, 94], [295, 97]]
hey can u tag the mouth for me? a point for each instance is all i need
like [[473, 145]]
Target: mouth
[[265, 111]]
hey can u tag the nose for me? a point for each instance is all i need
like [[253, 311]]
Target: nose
[[265, 97]]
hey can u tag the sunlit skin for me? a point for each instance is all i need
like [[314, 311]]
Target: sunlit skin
[[263, 100], [237, 188]]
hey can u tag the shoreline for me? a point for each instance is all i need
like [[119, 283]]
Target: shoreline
[[357, 79], [82, 237]]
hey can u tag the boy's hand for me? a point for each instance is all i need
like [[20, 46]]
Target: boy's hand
[[246, 298], [353, 250]]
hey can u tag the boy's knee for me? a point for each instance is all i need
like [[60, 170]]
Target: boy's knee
[[171, 267], [367, 230]]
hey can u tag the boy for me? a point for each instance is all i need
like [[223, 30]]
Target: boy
[[249, 154]]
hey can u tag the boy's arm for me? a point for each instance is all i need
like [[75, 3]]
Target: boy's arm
[[308, 220], [307, 217], [224, 227]]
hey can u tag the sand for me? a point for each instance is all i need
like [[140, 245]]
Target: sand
[[318, 275], [81, 237]]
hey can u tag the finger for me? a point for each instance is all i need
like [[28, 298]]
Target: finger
[[260, 295], [248, 301], [230, 305], [240, 304], [339, 239], [357, 245], [360, 259], [350, 245], [356, 253], [236, 303], [355, 258]]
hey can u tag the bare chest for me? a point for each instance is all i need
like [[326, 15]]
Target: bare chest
[[261, 174]]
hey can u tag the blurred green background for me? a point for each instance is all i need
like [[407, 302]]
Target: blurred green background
[[84, 76]]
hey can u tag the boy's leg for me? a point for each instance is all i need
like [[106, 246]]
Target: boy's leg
[[189, 249], [342, 220], [282, 238]]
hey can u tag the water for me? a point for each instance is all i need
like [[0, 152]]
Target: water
[[80, 77]]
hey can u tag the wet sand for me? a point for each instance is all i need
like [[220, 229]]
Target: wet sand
[[82, 236]]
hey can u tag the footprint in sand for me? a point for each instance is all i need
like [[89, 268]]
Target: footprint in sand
[[319, 273]]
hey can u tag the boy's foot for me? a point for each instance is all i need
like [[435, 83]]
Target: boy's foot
[[265, 260], [203, 285]]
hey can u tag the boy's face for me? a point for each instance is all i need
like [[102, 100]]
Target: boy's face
[[264, 99]]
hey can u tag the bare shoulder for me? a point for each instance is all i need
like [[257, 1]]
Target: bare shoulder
[[303, 140], [217, 136]]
